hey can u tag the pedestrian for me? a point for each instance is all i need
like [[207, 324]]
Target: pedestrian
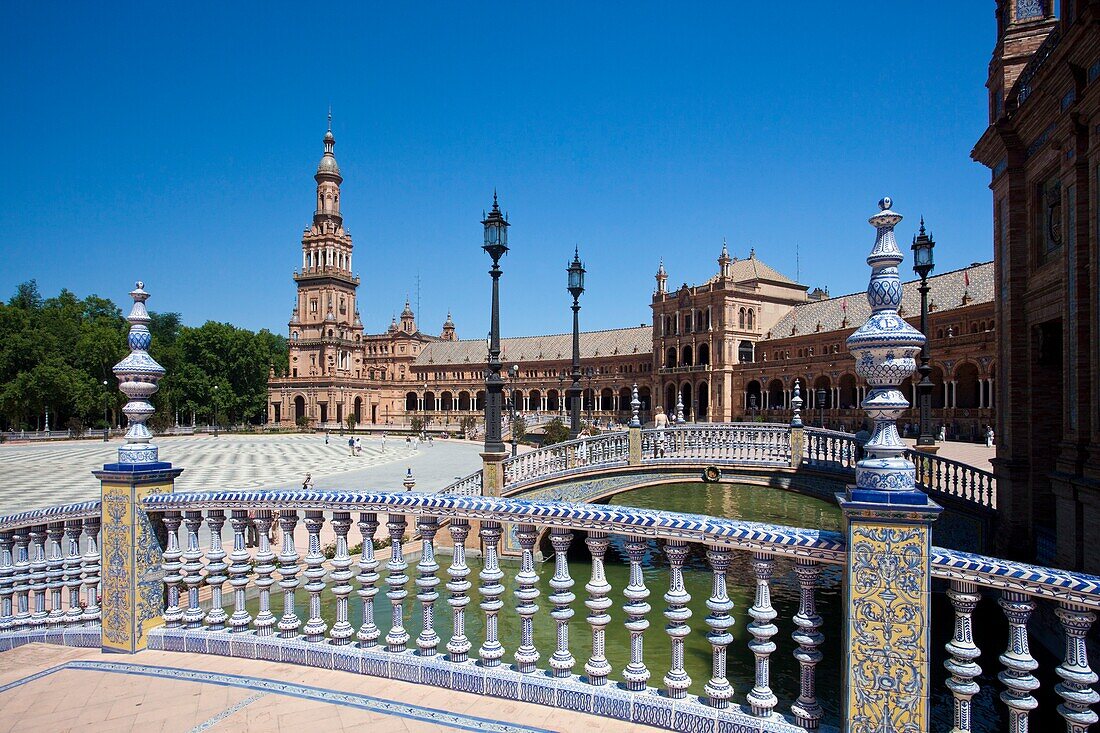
[[988, 436], [307, 485], [660, 422], [326, 437], [942, 437], [351, 446], [358, 446], [383, 442]]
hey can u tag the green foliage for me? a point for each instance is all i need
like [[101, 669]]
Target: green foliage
[[467, 424], [303, 422], [58, 352], [556, 432], [417, 424], [350, 420], [519, 428]]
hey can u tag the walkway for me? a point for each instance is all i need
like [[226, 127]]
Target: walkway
[[49, 688], [46, 474], [972, 454]]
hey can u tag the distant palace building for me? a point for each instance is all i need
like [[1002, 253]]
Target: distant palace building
[[728, 349], [1042, 147]]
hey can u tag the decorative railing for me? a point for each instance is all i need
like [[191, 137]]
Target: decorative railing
[[50, 568], [465, 486], [483, 665], [941, 476], [607, 449], [725, 443], [829, 448], [454, 659]]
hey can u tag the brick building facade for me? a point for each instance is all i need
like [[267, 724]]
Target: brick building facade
[[1042, 147]]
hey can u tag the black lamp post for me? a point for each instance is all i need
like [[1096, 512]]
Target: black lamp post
[[496, 245], [561, 391], [215, 410], [576, 287], [106, 419], [590, 375], [513, 373], [923, 264], [821, 407]]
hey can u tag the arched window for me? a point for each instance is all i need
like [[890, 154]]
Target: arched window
[[687, 322], [751, 319], [704, 354], [685, 358], [670, 357], [741, 319]]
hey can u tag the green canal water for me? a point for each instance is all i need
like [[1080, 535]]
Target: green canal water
[[753, 503]]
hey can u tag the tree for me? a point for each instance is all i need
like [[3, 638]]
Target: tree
[[350, 420], [519, 427], [556, 432], [417, 424]]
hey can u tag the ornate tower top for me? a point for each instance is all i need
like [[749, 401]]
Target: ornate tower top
[[138, 375], [328, 167], [724, 260], [885, 348], [662, 278], [448, 329]]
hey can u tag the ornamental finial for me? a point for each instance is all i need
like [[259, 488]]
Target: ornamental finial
[[635, 406], [885, 348], [796, 405], [138, 375], [680, 408]]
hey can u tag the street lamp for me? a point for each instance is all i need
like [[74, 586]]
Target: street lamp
[[496, 245], [590, 374], [215, 410], [575, 287], [106, 419], [923, 264], [821, 407]]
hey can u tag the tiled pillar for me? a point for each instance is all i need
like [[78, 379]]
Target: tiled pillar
[[888, 522]]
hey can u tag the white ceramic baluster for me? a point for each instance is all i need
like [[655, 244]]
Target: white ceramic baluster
[[718, 689], [761, 699], [89, 565], [397, 637], [7, 570], [342, 630], [677, 680], [215, 570], [38, 567], [1078, 686], [72, 571], [1018, 662], [961, 664], [265, 567], [561, 661], [192, 570], [239, 570], [458, 648], [289, 623], [315, 628], [526, 593], [173, 578], [21, 580], [426, 581], [491, 590], [55, 572], [806, 709], [368, 580], [636, 675], [597, 666]]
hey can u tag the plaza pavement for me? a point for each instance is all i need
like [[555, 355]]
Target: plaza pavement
[[972, 454], [34, 475], [53, 688]]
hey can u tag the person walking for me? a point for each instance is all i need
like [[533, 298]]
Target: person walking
[[307, 485], [988, 436], [351, 446], [383, 442], [358, 446]]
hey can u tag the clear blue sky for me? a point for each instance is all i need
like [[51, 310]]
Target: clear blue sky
[[178, 144]]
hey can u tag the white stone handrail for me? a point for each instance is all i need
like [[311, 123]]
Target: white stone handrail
[[732, 443], [606, 449]]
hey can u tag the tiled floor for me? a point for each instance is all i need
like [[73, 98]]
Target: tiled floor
[[146, 693]]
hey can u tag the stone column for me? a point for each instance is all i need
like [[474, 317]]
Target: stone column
[[131, 545], [888, 520]]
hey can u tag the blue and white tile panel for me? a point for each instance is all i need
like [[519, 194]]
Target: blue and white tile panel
[[991, 572], [690, 715], [778, 539], [33, 517], [88, 637]]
